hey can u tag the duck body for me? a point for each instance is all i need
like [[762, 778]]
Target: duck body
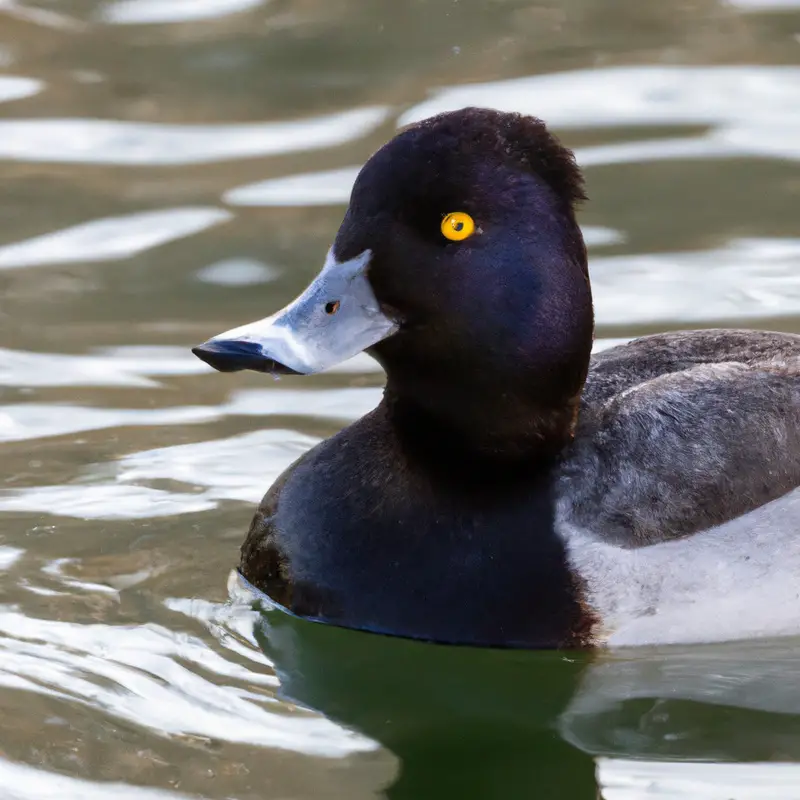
[[670, 518], [510, 489]]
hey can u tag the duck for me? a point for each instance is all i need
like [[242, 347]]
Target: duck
[[511, 489]]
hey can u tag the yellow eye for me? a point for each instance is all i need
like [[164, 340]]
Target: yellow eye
[[458, 226]]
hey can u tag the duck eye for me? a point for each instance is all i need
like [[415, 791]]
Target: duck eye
[[332, 307], [458, 226]]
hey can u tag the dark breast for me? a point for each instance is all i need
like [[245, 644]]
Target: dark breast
[[372, 543]]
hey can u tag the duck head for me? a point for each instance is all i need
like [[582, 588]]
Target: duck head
[[460, 267]]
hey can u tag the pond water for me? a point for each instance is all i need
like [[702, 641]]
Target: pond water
[[172, 168]]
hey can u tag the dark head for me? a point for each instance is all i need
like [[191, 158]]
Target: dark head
[[483, 321]]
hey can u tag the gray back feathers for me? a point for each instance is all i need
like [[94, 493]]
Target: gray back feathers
[[681, 432]]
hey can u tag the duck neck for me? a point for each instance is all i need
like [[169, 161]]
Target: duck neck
[[477, 427]]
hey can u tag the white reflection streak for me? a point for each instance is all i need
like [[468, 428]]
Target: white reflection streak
[[40, 16], [38, 420], [748, 278], [237, 272], [764, 5], [711, 146], [236, 468], [627, 779], [135, 673], [104, 501], [336, 404], [97, 141], [22, 421], [22, 782], [111, 238], [124, 366], [9, 556], [144, 12], [329, 187], [154, 359], [13, 87], [231, 624]]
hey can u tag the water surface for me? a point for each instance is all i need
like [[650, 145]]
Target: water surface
[[173, 168]]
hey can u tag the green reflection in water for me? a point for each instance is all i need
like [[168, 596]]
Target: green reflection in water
[[463, 722]]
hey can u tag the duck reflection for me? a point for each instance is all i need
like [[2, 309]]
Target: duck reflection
[[463, 722], [698, 723]]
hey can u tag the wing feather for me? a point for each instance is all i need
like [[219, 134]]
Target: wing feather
[[682, 432]]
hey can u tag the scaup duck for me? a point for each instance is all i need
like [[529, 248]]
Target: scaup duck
[[510, 489]]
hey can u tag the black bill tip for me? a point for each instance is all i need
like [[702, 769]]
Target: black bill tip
[[234, 355]]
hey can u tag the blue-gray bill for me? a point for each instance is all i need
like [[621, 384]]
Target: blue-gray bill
[[334, 319]]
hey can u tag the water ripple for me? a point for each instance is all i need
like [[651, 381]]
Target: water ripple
[[13, 87], [764, 5], [237, 272], [22, 421], [111, 238], [9, 556], [335, 404], [236, 468], [122, 366], [43, 17], [149, 12], [114, 142], [748, 278], [628, 779], [232, 624], [329, 187], [139, 674], [21, 782], [103, 501]]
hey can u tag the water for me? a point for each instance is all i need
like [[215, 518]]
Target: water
[[173, 168]]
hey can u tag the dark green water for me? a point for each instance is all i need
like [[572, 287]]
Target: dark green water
[[172, 168]]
